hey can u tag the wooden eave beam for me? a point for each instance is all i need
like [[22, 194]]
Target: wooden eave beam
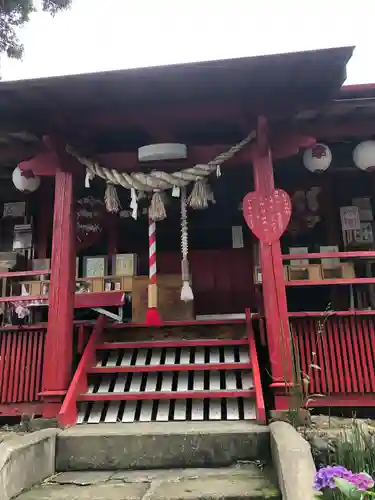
[[332, 130]]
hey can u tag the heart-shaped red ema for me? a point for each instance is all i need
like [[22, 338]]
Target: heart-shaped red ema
[[267, 216]]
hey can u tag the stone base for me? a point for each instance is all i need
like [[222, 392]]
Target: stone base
[[160, 445], [245, 482]]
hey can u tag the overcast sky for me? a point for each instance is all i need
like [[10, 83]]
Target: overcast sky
[[97, 35]]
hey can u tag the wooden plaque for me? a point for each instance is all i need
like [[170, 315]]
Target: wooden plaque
[[267, 216], [95, 267]]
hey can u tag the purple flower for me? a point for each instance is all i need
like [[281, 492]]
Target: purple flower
[[362, 481], [324, 477]]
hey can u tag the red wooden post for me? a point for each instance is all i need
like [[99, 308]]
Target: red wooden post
[[274, 293], [57, 369], [44, 219]]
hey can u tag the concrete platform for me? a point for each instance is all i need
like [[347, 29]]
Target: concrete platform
[[160, 445], [241, 482]]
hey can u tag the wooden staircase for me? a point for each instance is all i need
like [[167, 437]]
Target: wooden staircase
[[178, 372]]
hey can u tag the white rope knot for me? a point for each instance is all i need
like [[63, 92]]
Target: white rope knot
[[157, 211], [198, 199], [111, 199]]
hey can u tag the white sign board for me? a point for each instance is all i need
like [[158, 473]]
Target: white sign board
[[350, 220]]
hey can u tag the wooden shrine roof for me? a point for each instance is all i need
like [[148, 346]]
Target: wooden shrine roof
[[198, 103], [350, 115]]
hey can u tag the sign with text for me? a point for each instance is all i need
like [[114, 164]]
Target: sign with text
[[267, 216]]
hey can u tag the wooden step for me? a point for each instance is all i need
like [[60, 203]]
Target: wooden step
[[210, 409], [187, 358], [142, 383], [164, 380]]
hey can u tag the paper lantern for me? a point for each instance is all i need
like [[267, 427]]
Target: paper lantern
[[364, 155], [160, 152], [26, 182], [318, 158]]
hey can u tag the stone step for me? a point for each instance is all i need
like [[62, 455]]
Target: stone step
[[160, 445], [246, 481]]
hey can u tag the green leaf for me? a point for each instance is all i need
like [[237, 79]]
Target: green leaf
[[348, 489]]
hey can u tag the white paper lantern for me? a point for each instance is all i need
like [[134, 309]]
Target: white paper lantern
[[160, 152], [26, 182], [364, 155], [318, 158]]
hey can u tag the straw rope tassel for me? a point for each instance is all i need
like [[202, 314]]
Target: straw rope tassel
[[152, 316], [186, 290]]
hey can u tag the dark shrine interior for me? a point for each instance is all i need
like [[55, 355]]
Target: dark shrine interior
[[223, 276]]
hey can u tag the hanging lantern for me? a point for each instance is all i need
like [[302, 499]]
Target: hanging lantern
[[364, 155], [318, 158], [26, 181]]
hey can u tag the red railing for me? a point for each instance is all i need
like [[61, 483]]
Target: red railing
[[259, 400], [331, 255], [21, 362], [79, 384], [337, 353], [81, 300]]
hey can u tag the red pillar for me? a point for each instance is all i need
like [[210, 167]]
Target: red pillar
[[274, 292], [57, 368], [44, 219]]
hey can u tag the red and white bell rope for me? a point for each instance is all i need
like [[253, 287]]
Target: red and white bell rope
[[152, 317], [152, 251]]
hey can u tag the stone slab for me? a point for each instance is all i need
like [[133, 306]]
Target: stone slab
[[25, 461], [148, 476], [229, 483], [160, 445], [212, 488], [93, 492], [82, 478], [293, 462]]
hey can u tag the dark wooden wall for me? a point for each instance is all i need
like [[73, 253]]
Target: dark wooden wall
[[222, 279]]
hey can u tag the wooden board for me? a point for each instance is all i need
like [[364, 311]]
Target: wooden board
[[170, 306]]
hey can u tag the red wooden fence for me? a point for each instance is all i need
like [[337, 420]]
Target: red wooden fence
[[21, 363], [337, 352]]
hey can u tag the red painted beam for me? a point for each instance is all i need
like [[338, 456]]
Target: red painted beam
[[81, 300], [25, 298], [325, 314], [338, 281], [136, 396], [17, 274], [104, 299], [195, 322], [19, 409], [170, 368], [106, 346], [285, 145], [337, 129], [368, 254], [344, 399], [43, 164]]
